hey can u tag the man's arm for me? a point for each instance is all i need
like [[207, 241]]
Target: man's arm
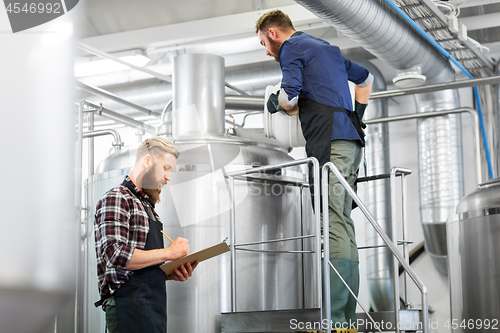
[[286, 103], [362, 94], [144, 258]]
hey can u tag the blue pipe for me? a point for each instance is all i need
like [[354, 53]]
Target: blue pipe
[[453, 60]]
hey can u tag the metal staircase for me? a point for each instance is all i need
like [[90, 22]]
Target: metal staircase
[[317, 319]]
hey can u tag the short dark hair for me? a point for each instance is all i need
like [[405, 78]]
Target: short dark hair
[[275, 18]]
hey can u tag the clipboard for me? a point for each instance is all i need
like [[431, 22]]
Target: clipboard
[[202, 255]]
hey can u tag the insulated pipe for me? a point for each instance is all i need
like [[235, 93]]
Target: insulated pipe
[[375, 28], [440, 164]]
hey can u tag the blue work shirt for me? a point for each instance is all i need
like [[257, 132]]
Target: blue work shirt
[[317, 70]]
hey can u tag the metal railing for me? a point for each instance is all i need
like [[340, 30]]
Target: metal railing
[[424, 115], [317, 236], [391, 244]]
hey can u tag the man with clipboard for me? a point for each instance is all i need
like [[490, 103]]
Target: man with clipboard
[[129, 245]]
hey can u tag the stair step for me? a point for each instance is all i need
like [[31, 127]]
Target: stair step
[[281, 321]]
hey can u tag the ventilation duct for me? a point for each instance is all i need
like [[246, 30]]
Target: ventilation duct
[[373, 26]]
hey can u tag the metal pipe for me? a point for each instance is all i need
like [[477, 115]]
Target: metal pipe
[[230, 86], [106, 113], [275, 240], [326, 247], [249, 103], [395, 267], [387, 240], [436, 87], [78, 197], [395, 271], [168, 108], [274, 251], [232, 233], [475, 127], [101, 92], [90, 127], [118, 144], [406, 254]]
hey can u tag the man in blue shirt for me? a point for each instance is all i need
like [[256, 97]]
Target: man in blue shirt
[[315, 78]]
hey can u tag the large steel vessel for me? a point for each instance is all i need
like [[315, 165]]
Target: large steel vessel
[[474, 268]]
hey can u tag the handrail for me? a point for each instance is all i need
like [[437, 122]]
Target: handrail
[[402, 172], [475, 128], [329, 166], [232, 219]]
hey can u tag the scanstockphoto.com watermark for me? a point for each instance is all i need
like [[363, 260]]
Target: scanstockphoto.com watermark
[[485, 324], [278, 189], [24, 15]]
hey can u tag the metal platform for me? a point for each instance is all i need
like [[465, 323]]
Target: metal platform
[[281, 321]]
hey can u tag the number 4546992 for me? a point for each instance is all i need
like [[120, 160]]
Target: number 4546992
[[33, 8], [472, 324]]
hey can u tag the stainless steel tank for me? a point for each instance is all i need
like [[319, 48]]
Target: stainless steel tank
[[474, 268], [195, 205]]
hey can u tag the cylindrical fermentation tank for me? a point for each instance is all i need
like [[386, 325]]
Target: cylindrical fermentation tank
[[474, 268], [195, 205]]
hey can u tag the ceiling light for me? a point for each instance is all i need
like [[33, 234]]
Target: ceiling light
[[94, 65]]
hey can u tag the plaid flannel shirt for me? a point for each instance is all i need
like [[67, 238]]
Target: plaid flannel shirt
[[121, 225]]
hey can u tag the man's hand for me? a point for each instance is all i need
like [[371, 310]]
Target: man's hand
[[273, 104], [144, 258], [177, 249], [183, 272]]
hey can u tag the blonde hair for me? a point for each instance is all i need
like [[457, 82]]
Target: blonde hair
[[275, 18], [156, 147]]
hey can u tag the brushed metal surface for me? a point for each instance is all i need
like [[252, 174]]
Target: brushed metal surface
[[474, 268]]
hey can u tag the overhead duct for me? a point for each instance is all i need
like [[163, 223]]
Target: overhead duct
[[376, 28]]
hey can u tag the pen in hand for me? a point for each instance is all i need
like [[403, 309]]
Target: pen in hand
[[166, 236]]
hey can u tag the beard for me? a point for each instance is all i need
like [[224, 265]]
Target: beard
[[275, 49], [151, 187]]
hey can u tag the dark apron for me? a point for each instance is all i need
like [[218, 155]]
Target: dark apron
[[141, 302], [316, 120]]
